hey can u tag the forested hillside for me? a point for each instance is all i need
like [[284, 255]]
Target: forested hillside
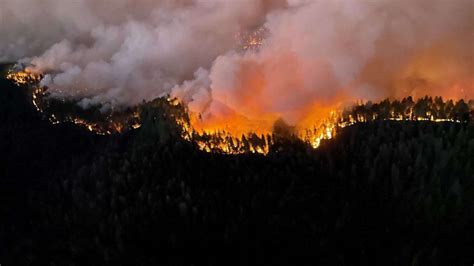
[[381, 193]]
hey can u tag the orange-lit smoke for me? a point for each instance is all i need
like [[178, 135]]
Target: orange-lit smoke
[[297, 60], [322, 55]]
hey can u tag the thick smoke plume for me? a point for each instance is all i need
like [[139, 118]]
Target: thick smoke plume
[[315, 54]]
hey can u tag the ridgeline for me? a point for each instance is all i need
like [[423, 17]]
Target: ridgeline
[[381, 193]]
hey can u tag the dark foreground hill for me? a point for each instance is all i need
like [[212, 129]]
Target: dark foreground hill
[[381, 193]]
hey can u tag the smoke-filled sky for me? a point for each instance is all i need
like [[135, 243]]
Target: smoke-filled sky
[[315, 52]]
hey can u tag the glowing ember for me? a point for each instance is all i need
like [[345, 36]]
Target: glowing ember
[[23, 77], [252, 40]]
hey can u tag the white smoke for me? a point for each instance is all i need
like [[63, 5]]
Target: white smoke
[[126, 51], [122, 51], [325, 51]]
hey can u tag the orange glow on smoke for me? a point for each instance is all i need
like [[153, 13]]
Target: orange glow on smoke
[[271, 86], [278, 77], [439, 70]]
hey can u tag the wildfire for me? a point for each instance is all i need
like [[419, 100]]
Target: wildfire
[[30, 80], [224, 142], [215, 139], [325, 129], [23, 77]]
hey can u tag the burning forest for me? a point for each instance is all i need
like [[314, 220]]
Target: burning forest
[[222, 141], [250, 132]]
